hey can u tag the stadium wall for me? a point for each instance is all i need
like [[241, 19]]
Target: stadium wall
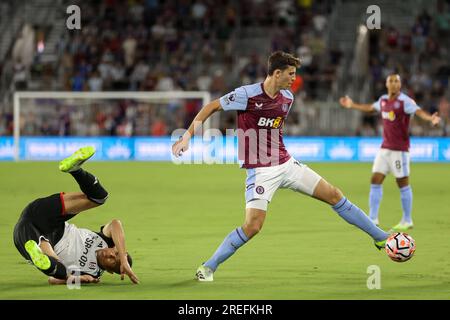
[[222, 150]]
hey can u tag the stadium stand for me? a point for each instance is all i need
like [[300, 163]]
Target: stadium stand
[[215, 46]]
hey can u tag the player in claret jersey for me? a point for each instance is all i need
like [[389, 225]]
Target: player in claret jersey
[[261, 111], [396, 109]]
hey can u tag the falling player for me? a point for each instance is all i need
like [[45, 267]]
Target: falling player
[[61, 250], [396, 109], [261, 110]]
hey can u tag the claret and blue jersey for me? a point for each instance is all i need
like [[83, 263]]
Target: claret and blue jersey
[[396, 114], [264, 117]]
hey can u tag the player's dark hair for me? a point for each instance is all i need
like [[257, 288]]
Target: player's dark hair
[[281, 60], [130, 262]]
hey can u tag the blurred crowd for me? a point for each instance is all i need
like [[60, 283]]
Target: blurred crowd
[[155, 45], [422, 57], [103, 117], [152, 45]]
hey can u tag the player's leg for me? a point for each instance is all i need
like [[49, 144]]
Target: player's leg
[[255, 214], [375, 195], [305, 180], [29, 240], [400, 169], [380, 169], [261, 185], [76, 202], [89, 184], [44, 261], [326, 192], [406, 197], [254, 220]]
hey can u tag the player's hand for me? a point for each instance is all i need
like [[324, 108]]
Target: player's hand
[[126, 269], [346, 102], [180, 146], [53, 281], [435, 119], [85, 278]]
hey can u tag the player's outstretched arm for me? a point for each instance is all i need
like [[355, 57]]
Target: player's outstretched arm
[[183, 144], [433, 118], [348, 103], [114, 230]]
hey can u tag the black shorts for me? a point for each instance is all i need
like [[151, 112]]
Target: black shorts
[[42, 219]]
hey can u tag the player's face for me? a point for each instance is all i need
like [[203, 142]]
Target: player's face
[[393, 84], [285, 77], [108, 259]]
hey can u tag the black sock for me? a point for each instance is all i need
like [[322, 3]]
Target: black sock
[[90, 186], [56, 270]]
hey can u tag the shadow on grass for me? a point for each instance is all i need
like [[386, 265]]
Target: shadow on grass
[[183, 284]]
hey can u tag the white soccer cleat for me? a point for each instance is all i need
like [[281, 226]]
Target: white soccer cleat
[[204, 274]]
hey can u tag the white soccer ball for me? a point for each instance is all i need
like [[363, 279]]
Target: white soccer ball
[[400, 247]]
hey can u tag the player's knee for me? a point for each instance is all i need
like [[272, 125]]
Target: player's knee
[[402, 182], [252, 229], [116, 221], [377, 178], [100, 198], [335, 196]]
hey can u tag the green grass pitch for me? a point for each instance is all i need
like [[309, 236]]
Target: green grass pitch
[[175, 216]]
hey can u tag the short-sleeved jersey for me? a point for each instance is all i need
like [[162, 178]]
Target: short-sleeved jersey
[[76, 249], [260, 122], [396, 114]]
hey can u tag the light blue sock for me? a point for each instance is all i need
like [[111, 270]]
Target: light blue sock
[[227, 248], [354, 215], [407, 198], [375, 195]]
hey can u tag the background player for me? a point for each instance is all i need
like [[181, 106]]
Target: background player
[[396, 109], [262, 109], [58, 248]]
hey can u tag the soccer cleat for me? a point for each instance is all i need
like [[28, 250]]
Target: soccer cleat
[[39, 259], [204, 274], [74, 162], [380, 244], [402, 227]]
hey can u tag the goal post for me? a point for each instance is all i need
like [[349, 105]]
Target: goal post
[[160, 97]]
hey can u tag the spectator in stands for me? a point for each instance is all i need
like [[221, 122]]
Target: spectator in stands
[[95, 82], [170, 45], [158, 128]]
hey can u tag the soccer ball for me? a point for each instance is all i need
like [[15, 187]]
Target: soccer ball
[[400, 247]]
